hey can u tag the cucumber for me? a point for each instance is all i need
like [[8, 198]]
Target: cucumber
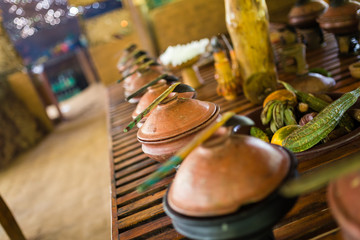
[[317, 129]]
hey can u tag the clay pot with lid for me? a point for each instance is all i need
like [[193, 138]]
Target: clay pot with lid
[[139, 79], [152, 93], [129, 60], [173, 123], [344, 201], [227, 188], [303, 17], [342, 19], [125, 54]]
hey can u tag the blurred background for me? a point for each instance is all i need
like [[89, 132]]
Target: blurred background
[[56, 58]]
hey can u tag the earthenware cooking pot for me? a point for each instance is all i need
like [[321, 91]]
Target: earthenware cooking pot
[[344, 201], [139, 79], [130, 59], [125, 54], [305, 12], [151, 94], [303, 17], [227, 188], [340, 18], [173, 123]]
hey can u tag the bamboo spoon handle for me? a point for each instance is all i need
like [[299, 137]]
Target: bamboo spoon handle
[[165, 168], [320, 176], [143, 88]]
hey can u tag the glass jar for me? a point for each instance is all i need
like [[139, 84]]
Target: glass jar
[[248, 25]]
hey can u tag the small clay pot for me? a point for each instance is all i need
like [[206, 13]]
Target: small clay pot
[[304, 13], [139, 79], [303, 17], [227, 189], [173, 123], [340, 19], [152, 93], [344, 201]]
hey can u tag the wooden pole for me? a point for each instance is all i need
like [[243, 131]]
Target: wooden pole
[[9, 223]]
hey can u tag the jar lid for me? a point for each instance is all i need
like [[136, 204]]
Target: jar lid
[[175, 116], [225, 173]]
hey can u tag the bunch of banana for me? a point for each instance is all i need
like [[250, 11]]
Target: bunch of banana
[[278, 114]]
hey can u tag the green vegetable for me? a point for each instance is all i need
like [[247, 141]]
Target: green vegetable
[[267, 112], [278, 114], [289, 117], [317, 129], [321, 71], [318, 105], [257, 132]]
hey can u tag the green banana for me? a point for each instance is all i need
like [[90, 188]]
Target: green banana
[[273, 126], [289, 117], [278, 114], [266, 113]]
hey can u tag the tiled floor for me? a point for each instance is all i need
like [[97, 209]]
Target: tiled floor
[[60, 188]]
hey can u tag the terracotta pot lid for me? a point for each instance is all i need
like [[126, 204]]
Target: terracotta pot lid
[[152, 93], [344, 199], [139, 79], [304, 15], [340, 20], [226, 172], [175, 116]]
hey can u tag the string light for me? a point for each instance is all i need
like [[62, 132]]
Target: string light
[[23, 18]]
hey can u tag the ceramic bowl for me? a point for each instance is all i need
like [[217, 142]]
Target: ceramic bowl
[[355, 70]]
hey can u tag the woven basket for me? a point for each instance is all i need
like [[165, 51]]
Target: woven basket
[[183, 21]]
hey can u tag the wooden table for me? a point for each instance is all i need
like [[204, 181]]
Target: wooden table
[[141, 216]]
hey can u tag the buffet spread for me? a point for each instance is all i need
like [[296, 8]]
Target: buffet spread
[[222, 146]]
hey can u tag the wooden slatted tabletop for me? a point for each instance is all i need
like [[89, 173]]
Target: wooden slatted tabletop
[[141, 216]]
